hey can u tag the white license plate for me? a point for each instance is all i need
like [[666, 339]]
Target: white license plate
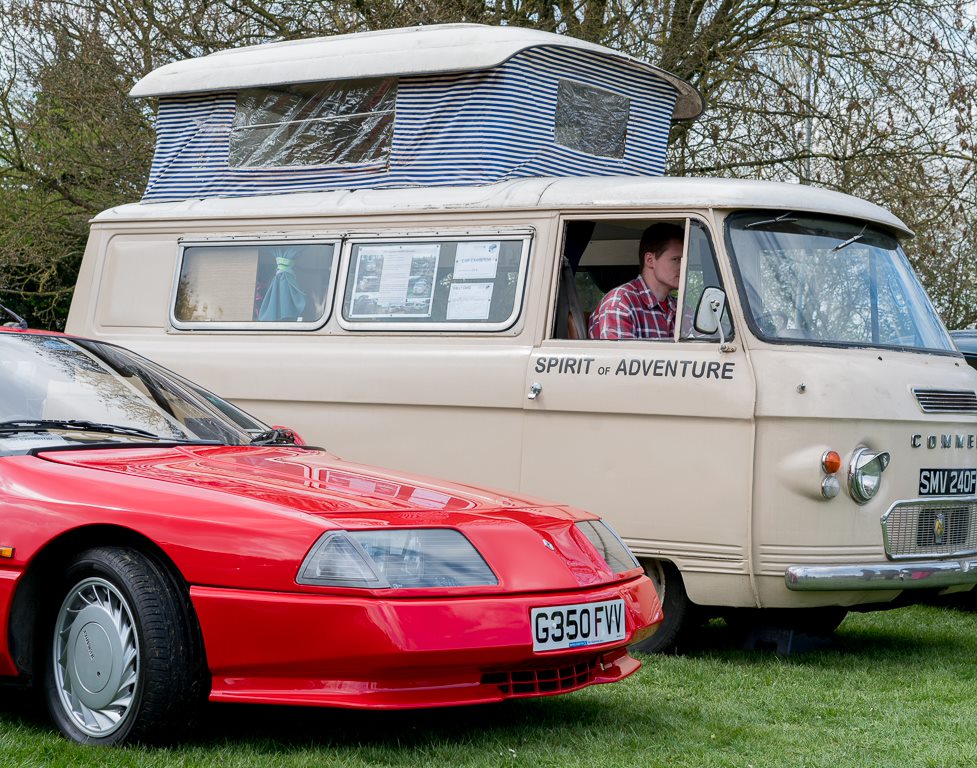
[[947, 482], [576, 626]]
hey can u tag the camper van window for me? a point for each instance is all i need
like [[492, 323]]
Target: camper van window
[[437, 284], [591, 120], [603, 255], [313, 124], [246, 283]]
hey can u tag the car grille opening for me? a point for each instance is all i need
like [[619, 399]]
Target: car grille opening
[[530, 682], [946, 400], [919, 529]]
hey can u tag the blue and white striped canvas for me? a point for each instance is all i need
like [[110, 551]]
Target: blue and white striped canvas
[[461, 129]]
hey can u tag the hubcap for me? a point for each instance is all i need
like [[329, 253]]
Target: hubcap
[[96, 659]]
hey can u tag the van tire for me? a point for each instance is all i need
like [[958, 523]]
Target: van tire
[[679, 612]]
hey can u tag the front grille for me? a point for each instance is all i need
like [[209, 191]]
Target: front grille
[[529, 682], [946, 400], [926, 528]]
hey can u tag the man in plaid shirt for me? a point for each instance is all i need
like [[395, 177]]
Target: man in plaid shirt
[[645, 307]]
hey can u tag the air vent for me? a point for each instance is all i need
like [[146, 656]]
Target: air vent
[[533, 682], [946, 400]]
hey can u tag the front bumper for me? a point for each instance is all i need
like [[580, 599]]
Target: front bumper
[[381, 653], [925, 574]]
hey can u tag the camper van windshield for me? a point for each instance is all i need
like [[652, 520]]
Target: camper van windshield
[[815, 279]]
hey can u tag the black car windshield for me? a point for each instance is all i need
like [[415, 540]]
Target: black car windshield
[[62, 391], [813, 279]]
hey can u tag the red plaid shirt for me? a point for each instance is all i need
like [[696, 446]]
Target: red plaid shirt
[[631, 311]]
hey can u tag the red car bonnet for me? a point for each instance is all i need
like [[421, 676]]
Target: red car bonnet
[[508, 529]]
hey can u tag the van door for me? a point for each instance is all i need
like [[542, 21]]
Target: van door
[[654, 435]]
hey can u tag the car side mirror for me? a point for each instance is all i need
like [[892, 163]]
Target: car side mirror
[[288, 436], [709, 313]]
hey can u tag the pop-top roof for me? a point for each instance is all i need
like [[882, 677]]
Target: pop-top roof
[[441, 48]]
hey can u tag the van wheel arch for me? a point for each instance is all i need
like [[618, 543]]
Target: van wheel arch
[[680, 613]]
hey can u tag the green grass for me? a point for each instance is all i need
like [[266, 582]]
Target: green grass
[[895, 689]]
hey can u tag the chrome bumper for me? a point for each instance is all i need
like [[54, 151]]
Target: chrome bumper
[[926, 574]]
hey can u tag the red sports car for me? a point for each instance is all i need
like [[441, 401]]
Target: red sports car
[[159, 547]]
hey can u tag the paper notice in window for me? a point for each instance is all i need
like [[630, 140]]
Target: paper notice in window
[[476, 261], [394, 280], [469, 301]]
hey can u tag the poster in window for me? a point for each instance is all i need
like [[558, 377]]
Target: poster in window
[[394, 280], [477, 261], [469, 301]]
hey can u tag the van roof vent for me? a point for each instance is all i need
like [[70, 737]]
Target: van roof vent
[[946, 400]]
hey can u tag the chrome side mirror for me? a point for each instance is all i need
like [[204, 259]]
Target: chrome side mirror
[[709, 313]]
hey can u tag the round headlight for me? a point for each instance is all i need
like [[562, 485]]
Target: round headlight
[[865, 473]]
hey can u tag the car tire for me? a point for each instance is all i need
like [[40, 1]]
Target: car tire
[[679, 612], [122, 660]]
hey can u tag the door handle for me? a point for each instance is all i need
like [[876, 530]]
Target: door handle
[[534, 390]]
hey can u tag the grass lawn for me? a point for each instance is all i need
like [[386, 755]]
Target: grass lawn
[[896, 689]]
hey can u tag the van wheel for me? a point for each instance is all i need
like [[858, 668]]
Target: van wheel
[[120, 651], [679, 611]]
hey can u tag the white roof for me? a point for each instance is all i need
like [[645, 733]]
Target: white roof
[[438, 48], [635, 192]]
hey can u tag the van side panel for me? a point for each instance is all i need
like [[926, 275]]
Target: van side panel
[[435, 402]]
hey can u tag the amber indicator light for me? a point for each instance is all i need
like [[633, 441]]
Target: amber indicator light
[[831, 462], [6, 552]]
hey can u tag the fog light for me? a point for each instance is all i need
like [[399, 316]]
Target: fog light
[[865, 473], [830, 487]]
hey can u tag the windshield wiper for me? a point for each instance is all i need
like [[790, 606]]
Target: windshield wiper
[[786, 217], [43, 425], [850, 240]]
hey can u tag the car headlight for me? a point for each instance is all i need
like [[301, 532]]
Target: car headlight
[[609, 545], [865, 473], [401, 558]]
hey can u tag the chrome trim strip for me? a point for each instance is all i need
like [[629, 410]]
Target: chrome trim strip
[[926, 574]]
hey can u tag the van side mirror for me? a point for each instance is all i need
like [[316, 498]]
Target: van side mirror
[[709, 313]]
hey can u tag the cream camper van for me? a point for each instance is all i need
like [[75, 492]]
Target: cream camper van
[[392, 243]]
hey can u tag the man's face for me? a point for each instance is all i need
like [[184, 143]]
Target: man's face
[[666, 267]]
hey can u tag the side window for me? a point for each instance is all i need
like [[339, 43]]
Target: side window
[[700, 273], [604, 255], [313, 124], [591, 120], [265, 284], [460, 284]]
